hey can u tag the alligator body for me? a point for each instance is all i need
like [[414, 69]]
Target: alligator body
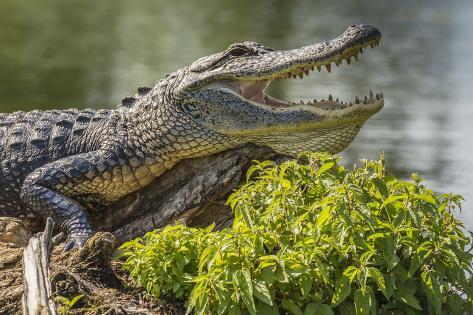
[[62, 164]]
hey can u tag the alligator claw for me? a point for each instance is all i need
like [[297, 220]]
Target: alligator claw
[[76, 240]]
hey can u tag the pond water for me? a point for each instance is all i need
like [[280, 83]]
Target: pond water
[[58, 54]]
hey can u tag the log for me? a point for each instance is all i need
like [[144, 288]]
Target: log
[[37, 297], [194, 191]]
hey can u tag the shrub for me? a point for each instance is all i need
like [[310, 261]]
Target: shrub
[[316, 238]]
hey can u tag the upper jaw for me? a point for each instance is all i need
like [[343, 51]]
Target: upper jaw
[[299, 62]]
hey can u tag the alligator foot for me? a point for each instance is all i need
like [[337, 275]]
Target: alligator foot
[[77, 239]]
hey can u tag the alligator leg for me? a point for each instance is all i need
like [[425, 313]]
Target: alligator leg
[[50, 190]]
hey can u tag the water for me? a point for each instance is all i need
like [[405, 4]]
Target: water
[[58, 54]]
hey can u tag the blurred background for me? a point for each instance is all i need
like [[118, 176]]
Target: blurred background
[[76, 53]]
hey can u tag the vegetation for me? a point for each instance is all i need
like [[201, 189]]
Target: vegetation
[[316, 238], [65, 305]]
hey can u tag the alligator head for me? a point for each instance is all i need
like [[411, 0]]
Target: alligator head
[[225, 93]]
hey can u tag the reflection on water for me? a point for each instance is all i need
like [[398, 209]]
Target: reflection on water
[[92, 53]]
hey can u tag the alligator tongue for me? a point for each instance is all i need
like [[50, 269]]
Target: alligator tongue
[[253, 90]]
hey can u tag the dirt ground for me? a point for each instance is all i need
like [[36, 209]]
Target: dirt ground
[[89, 271]]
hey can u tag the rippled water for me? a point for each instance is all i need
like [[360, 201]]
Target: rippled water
[[57, 54]]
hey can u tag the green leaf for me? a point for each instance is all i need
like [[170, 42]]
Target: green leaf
[[407, 298], [362, 301], [175, 287], [318, 309], [268, 275], [351, 272], [243, 210], [381, 185], [296, 269], [379, 279], [390, 253], [62, 299], [346, 308], [431, 288], [390, 284], [324, 168], [325, 309], [399, 220], [281, 275], [426, 198], [234, 310], [223, 297], [307, 287], [242, 279], [292, 308], [323, 216], [261, 291], [286, 183], [75, 299], [373, 301], [391, 199], [265, 309], [455, 304], [311, 309], [342, 290], [414, 265]]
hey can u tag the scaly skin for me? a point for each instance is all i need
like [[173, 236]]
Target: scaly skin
[[60, 164]]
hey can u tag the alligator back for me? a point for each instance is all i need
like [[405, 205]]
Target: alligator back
[[29, 140]]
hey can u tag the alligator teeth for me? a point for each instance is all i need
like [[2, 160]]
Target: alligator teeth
[[319, 67], [371, 95], [337, 100], [330, 97], [361, 50], [301, 75], [355, 56], [348, 60], [357, 100], [328, 66]]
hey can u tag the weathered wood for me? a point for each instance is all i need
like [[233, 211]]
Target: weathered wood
[[37, 298], [194, 191]]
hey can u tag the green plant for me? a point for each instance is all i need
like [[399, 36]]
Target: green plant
[[66, 304], [317, 238]]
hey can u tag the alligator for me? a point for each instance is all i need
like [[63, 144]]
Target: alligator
[[63, 163]]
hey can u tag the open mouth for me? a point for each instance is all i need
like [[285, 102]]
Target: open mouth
[[254, 90]]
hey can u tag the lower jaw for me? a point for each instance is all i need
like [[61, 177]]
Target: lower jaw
[[331, 140]]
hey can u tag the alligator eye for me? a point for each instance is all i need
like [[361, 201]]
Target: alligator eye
[[238, 51]]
